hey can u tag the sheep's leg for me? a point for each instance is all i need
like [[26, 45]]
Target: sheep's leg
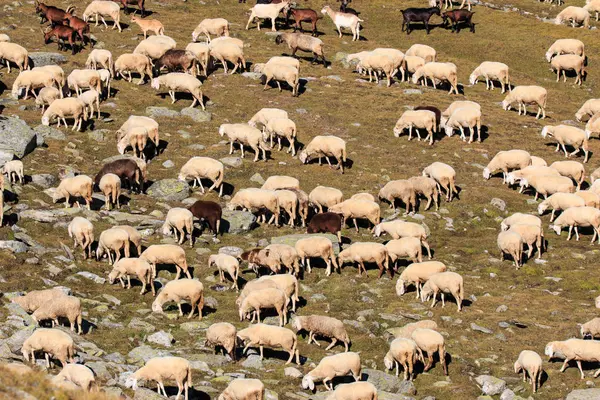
[[333, 342], [564, 150], [580, 369], [576, 233], [570, 230], [355, 225]]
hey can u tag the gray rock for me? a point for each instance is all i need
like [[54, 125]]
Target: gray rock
[[92, 277], [198, 115], [161, 112], [407, 387], [292, 372], [382, 380], [481, 329], [234, 162], [15, 342], [231, 250], [236, 222], [252, 75], [161, 337], [271, 395], [6, 156], [501, 308], [42, 58], [147, 394], [257, 178], [44, 181], [292, 239], [100, 135], [141, 325], [253, 361], [168, 164], [169, 190], [413, 91], [13, 246], [498, 203], [584, 394], [17, 137], [490, 385], [194, 326], [507, 395], [15, 309], [336, 78], [143, 353]]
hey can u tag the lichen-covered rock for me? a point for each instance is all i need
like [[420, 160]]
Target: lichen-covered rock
[[292, 239], [196, 114], [17, 137], [44, 181], [100, 135], [490, 385], [169, 190], [162, 338], [383, 381], [143, 353], [161, 112], [13, 246], [584, 394], [42, 58], [236, 222], [234, 162]]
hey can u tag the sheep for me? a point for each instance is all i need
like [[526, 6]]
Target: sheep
[[538, 162], [67, 107], [199, 168], [328, 327], [60, 307], [282, 128], [80, 79], [574, 15], [77, 186], [228, 51], [279, 73], [399, 189], [505, 161], [178, 290], [89, 98], [78, 374], [286, 60], [324, 196], [592, 6], [426, 187], [396, 56], [444, 282], [161, 368], [511, 243], [430, 341], [46, 96], [113, 240], [37, 298], [354, 391], [154, 47], [148, 123], [560, 201], [202, 53], [267, 11], [524, 95], [135, 238], [273, 257], [31, 80], [222, 39], [131, 62], [526, 173], [569, 62], [547, 185], [181, 82], [226, 263], [445, 177], [440, 71], [333, 366], [264, 298], [52, 342], [427, 53], [402, 352], [417, 274], [264, 115], [147, 25], [398, 229], [257, 198], [102, 57], [576, 217], [288, 202], [166, 254], [574, 349], [405, 247], [406, 331], [244, 135], [12, 52], [103, 9], [590, 198], [344, 20], [57, 73], [302, 204], [419, 119], [4, 37], [588, 109], [464, 118], [136, 138], [566, 46], [82, 232], [302, 42], [572, 169], [355, 209], [592, 126], [271, 336], [412, 64], [325, 146], [277, 182], [455, 106], [211, 26], [209, 212], [110, 186], [491, 70], [531, 364], [375, 64], [222, 334], [319, 247], [288, 284], [243, 388], [520, 218], [568, 135], [13, 170], [366, 252], [179, 220], [591, 328], [363, 196], [133, 266]]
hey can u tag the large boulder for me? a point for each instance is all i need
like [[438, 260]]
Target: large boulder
[[383, 381], [50, 132], [584, 394], [42, 58], [292, 239], [236, 222], [13, 246], [196, 114], [490, 385], [16, 137], [169, 190]]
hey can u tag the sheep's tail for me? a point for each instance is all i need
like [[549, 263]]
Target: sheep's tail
[[111, 66], [26, 63], [70, 230], [344, 154], [296, 287], [219, 180]]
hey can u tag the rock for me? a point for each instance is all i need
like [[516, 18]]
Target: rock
[[252, 75], [407, 387], [413, 91], [49, 132], [92, 277], [257, 178], [481, 329], [198, 115], [6, 156], [336, 78], [15, 342], [236, 222], [168, 164], [161, 337], [169, 190], [498, 203], [292, 239], [143, 353], [490, 385], [584, 394], [253, 361], [43, 58], [234, 162], [231, 250], [100, 135], [17, 137], [507, 395], [501, 308], [292, 372], [382, 380], [44, 181], [161, 112], [139, 324], [340, 56], [271, 395], [39, 216], [13, 246], [146, 394]]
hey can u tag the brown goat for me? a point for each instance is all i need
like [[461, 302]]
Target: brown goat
[[126, 170], [61, 33], [125, 3], [210, 212], [79, 25], [174, 59], [301, 15], [327, 222], [50, 13]]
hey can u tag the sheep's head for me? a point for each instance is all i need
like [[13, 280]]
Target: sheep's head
[[296, 324], [258, 68], [415, 77], [157, 306], [99, 253], [181, 177], [524, 183], [549, 350], [222, 130], [511, 179], [556, 228], [487, 174], [388, 361], [279, 39], [131, 382], [558, 21], [542, 208], [325, 10], [579, 115], [377, 230], [56, 196], [400, 287], [473, 79], [426, 292], [308, 383], [112, 276], [155, 84], [166, 229], [449, 131], [517, 367], [303, 157], [46, 120], [121, 146], [588, 133], [549, 56], [505, 105]]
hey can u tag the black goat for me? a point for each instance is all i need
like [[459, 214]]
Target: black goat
[[418, 15]]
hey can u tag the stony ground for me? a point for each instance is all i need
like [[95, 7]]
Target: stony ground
[[507, 310]]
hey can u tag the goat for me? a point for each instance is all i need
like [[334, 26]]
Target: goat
[[125, 169], [176, 59], [139, 3], [61, 33], [456, 16], [304, 15], [210, 212], [79, 25], [50, 13], [418, 15]]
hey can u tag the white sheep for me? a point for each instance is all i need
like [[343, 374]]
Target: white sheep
[[37, 298], [578, 216], [524, 95], [571, 169], [548, 184], [331, 328], [520, 218], [253, 198], [133, 266], [511, 243], [113, 240], [271, 336], [363, 196], [430, 341], [361, 252], [52, 342], [78, 374], [282, 128], [405, 247], [344, 20], [202, 53], [517, 175], [46, 96], [590, 198], [181, 82], [267, 11], [82, 232], [592, 126], [199, 168], [80, 79], [12, 52], [358, 209], [464, 118], [491, 71], [222, 334], [530, 363], [68, 307], [397, 57], [325, 146], [560, 201], [333, 366], [569, 62], [276, 182], [89, 98], [506, 161], [136, 138], [264, 298], [29, 80], [588, 109], [398, 229], [316, 246], [354, 391], [593, 6], [149, 124], [568, 135], [76, 186], [14, 171], [131, 62], [455, 105], [244, 135], [419, 119], [211, 26], [102, 57], [106, 77], [179, 290], [243, 388], [279, 73], [591, 328], [110, 186], [444, 282], [166, 254], [376, 64], [4, 37], [445, 177], [159, 369], [402, 352], [566, 46], [574, 15], [103, 9], [179, 221], [135, 238], [417, 274], [225, 263], [427, 53], [399, 189], [407, 330], [228, 51], [575, 349], [538, 162], [438, 71], [275, 256], [62, 108]]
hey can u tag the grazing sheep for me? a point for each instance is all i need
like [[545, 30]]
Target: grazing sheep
[[277, 182], [102, 57], [505, 161], [288, 202], [591, 328], [135, 238], [302, 42], [79, 375], [398, 229], [136, 138], [52, 342], [376, 64], [520, 218], [445, 177], [592, 126], [444, 282], [202, 53], [366, 252], [179, 220], [267, 11], [566, 46], [222, 334], [80, 79], [560, 201], [325, 146], [288, 284], [427, 53], [181, 82], [490, 71], [209, 212], [325, 196], [354, 209], [402, 352], [588, 109], [344, 20], [592, 6], [46, 96], [333, 366], [279, 73], [211, 26], [226, 263], [574, 15], [271, 336], [578, 216], [417, 274], [110, 186], [511, 243], [399, 189], [89, 98], [82, 232], [531, 364], [132, 266], [244, 135], [464, 118], [419, 119], [253, 198], [412, 64], [316, 247], [154, 47], [575, 349], [68, 307], [103, 9], [264, 115], [4, 37], [161, 368], [166, 254], [405, 247], [76, 186], [281, 128], [112, 240], [568, 135], [354, 391], [538, 162], [243, 388], [31, 80], [438, 71], [37, 298], [590, 198], [132, 62], [524, 95], [426, 187], [430, 341], [548, 184], [571, 169], [406, 331], [517, 175], [569, 62], [228, 51], [331, 328], [455, 106], [67, 107], [149, 25], [12, 52], [178, 290], [264, 298], [326, 223]]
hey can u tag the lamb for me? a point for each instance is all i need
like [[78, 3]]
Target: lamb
[[571, 169], [319, 247], [242, 388], [430, 341], [569, 62], [591, 328], [455, 106], [136, 138], [12, 52], [147, 25], [148, 123], [354, 391], [113, 240], [523, 95], [511, 243], [560, 201], [333, 366], [344, 20], [325, 196], [576, 217], [228, 51], [355, 209], [31, 80], [89, 98], [440, 71], [505, 161], [419, 119], [161, 368], [211, 26], [406, 331], [181, 82], [490, 71], [405, 247], [568, 135], [398, 229], [199, 168], [566, 46], [366, 252], [53, 342], [133, 266], [110, 186], [77, 186], [302, 42], [61, 307], [465, 118], [574, 15], [222, 334], [282, 128], [244, 135], [257, 198], [166, 254], [271, 336], [426, 187], [37, 298], [575, 349], [399, 189], [531, 364], [427, 53], [277, 182], [79, 375], [264, 298], [226, 263], [444, 282], [67, 107], [402, 352], [417, 274], [445, 177], [548, 185], [46, 96], [179, 290], [179, 220], [202, 53], [102, 57], [103, 9], [13, 170], [320, 325], [131, 62], [280, 73], [520, 218], [588, 109]]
